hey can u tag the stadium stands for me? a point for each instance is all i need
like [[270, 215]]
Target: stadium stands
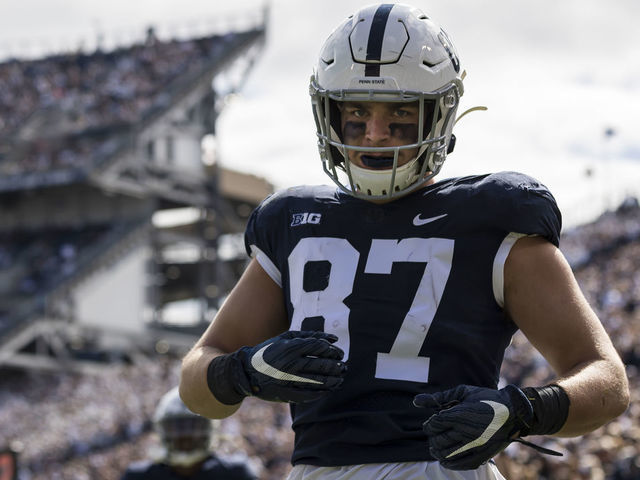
[[85, 161], [92, 146]]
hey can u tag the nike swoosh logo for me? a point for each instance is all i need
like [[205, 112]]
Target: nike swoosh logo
[[417, 221], [500, 417], [260, 364]]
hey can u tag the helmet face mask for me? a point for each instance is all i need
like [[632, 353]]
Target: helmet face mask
[[414, 63], [185, 436], [186, 439]]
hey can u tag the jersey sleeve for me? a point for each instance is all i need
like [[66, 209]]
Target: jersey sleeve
[[261, 233], [524, 206]]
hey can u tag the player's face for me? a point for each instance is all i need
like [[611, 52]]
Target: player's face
[[379, 124]]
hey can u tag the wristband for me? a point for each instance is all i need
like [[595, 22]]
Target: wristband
[[220, 379], [550, 409]]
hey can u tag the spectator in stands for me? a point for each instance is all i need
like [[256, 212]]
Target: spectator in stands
[[83, 98], [186, 439]]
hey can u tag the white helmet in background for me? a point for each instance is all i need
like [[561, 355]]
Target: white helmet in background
[[387, 53], [185, 436]]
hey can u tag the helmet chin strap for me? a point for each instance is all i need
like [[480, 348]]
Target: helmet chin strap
[[472, 109], [469, 110]]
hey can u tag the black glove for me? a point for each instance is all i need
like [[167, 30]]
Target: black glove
[[292, 367], [473, 424]]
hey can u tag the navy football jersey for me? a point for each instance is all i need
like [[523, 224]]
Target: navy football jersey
[[412, 290], [212, 468]]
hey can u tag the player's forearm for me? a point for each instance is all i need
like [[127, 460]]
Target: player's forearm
[[194, 388], [598, 392]]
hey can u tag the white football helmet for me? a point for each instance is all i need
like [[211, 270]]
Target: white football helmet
[[387, 53], [186, 436]]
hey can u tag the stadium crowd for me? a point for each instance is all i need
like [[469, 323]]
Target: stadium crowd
[[40, 259], [606, 258], [75, 426], [75, 102], [91, 426], [33, 264]]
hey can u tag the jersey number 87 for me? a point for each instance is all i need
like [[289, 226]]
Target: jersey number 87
[[402, 361]]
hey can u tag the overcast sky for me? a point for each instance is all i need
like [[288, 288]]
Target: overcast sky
[[554, 74]]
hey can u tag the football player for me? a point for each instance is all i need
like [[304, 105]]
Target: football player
[[381, 309], [186, 441]]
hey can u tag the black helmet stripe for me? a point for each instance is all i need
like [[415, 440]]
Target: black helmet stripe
[[376, 36]]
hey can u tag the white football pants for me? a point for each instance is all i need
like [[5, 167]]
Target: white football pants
[[394, 471]]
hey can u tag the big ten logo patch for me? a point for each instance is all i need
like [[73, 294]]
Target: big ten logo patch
[[304, 218]]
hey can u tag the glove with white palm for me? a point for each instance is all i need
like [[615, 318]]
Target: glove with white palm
[[473, 424], [292, 367]]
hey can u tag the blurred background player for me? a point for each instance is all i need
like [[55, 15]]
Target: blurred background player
[[186, 448]]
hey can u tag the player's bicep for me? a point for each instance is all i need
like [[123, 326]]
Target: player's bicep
[[253, 312], [544, 300]]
